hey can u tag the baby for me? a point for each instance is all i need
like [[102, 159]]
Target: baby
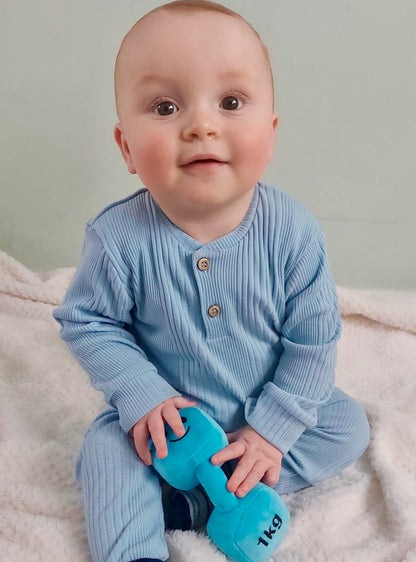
[[205, 288]]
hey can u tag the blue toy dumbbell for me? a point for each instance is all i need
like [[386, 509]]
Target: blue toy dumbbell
[[247, 529]]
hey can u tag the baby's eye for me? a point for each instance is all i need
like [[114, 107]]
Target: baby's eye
[[165, 108], [230, 103]]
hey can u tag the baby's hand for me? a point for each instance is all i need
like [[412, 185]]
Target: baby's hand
[[259, 460], [153, 424]]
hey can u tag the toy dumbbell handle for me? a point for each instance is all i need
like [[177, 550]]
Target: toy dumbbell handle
[[214, 482]]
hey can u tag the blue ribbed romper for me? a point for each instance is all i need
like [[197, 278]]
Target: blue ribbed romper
[[246, 325]]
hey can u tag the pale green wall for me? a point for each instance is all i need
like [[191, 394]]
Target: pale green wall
[[346, 94]]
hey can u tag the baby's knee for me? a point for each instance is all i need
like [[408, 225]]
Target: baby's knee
[[356, 432], [341, 436], [100, 438], [346, 433]]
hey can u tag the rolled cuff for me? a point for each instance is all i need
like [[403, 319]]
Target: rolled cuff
[[134, 398], [280, 417]]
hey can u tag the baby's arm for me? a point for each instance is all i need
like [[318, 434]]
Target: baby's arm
[[304, 378], [94, 317]]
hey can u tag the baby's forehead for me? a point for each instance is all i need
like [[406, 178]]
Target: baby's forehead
[[164, 37], [163, 27]]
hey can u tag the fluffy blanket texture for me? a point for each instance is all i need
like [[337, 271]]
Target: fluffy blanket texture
[[368, 513]]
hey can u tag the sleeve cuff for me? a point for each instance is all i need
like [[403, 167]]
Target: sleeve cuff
[[134, 400], [279, 417]]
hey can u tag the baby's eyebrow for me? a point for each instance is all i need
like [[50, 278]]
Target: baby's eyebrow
[[152, 78], [158, 79], [235, 74]]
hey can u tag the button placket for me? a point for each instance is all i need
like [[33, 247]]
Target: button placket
[[203, 264], [211, 308], [214, 311]]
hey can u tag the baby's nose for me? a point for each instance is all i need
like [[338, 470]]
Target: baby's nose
[[202, 125]]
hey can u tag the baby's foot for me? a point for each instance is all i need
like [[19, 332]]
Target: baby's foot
[[187, 510]]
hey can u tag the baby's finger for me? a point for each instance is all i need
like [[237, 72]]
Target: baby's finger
[[182, 402], [233, 451], [173, 419], [271, 477], [253, 478], [141, 442], [241, 471], [157, 433]]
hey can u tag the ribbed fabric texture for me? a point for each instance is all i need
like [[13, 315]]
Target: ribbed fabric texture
[[122, 497], [136, 315]]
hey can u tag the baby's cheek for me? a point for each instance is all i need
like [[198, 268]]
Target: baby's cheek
[[152, 157], [256, 146], [152, 150]]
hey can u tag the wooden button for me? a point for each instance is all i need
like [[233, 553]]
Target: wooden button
[[214, 311], [203, 264]]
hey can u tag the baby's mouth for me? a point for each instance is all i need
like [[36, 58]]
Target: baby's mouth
[[207, 164], [203, 160]]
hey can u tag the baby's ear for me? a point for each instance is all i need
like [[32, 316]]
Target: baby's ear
[[275, 121], [124, 147]]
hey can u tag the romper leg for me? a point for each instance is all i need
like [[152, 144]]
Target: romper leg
[[341, 436], [122, 497]]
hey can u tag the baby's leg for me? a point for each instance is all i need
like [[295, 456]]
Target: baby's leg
[[339, 438], [122, 497]]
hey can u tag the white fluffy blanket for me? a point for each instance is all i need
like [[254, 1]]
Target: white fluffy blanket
[[368, 513]]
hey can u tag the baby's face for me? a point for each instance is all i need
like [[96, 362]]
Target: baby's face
[[196, 110]]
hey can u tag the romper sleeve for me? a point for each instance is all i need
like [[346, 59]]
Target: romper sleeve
[[94, 317], [304, 378]]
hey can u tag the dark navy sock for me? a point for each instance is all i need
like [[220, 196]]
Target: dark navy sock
[[178, 515], [187, 509], [146, 560]]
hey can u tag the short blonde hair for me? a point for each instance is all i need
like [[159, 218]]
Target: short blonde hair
[[195, 6]]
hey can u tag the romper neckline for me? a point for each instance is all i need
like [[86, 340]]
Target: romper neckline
[[222, 243]]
